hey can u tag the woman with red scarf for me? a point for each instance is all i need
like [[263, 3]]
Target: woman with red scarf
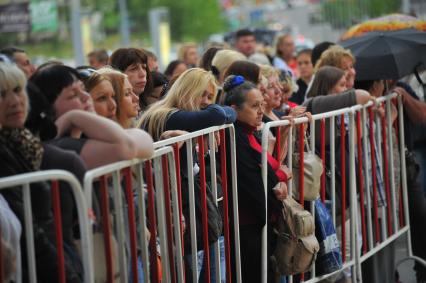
[[248, 102]]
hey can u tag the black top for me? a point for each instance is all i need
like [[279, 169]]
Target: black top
[[251, 195], [56, 158], [69, 143], [12, 163], [212, 115], [299, 96]]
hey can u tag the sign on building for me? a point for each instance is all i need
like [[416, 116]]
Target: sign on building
[[14, 17], [44, 16]]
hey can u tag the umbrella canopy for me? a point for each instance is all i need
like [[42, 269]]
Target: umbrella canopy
[[385, 23], [387, 55]]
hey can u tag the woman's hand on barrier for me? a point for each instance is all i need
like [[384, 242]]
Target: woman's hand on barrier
[[297, 111], [280, 191], [287, 171], [173, 133], [380, 110]]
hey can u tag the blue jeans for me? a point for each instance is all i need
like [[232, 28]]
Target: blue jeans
[[200, 261], [140, 271]]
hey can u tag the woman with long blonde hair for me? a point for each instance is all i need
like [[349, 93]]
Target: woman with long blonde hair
[[127, 101], [187, 106]]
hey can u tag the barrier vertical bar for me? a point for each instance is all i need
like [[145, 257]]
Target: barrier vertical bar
[[176, 219], [278, 143], [391, 171], [212, 153], [355, 250], [32, 274], [367, 178], [333, 168], [56, 202], [322, 144], [264, 267], [386, 173], [161, 227], [361, 181], [235, 204], [301, 164], [343, 175], [132, 223], [106, 229], [404, 173], [119, 216], [152, 221], [206, 262], [224, 177], [179, 191], [143, 223], [190, 168], [373, 173], [168, 212], [400, 204], [302, 172]]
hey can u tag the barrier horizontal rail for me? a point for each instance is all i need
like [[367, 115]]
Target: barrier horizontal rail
[[24, 181]]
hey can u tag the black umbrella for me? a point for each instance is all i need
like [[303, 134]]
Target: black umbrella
[[387, 54]]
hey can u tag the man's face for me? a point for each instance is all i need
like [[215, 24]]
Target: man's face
[[95, 63], [246, 45], [23, 62]]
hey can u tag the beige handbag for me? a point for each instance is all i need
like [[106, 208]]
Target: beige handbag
[[312, 172], [297, 245]]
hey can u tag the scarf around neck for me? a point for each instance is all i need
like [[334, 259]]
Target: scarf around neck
[[22, 142]]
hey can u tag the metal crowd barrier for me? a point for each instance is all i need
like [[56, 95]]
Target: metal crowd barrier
[[124, 183], [204, 141], [148, 193], [23, 182], [382, 226], [366, 133]]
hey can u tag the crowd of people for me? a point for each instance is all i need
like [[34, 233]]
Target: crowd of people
[[76, 119]]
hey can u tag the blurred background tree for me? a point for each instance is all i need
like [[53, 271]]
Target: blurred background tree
[[342, 14]]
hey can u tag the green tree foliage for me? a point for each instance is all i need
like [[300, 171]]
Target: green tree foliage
[[189, 19], [345, 13]]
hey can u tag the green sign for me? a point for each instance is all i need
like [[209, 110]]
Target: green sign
[[44, 16]]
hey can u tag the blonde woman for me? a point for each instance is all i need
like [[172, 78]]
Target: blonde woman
[[127, 101], [188, 53], [103, 95], [222, 60], [337, 56], [187, 106]]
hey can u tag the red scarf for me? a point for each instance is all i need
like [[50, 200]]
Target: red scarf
[[281, 175]]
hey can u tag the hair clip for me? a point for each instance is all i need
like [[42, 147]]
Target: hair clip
[[236, 81]]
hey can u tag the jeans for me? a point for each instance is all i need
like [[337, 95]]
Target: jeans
[[140, 271], [200, 261]]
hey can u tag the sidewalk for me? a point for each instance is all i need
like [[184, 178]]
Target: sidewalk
[[406, 272]]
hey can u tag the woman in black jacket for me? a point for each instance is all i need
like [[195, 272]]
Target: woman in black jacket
[[21, 152], [248, 102]]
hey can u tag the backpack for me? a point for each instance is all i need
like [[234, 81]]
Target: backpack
[[296, 247]]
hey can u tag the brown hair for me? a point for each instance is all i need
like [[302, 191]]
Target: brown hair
[[249, 70], [122, 58], [325, 79]]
